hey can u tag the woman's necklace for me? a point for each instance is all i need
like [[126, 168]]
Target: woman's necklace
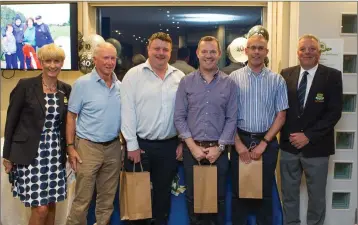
[[52, 89]]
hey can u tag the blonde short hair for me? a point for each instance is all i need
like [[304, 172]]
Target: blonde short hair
[[51, 51]]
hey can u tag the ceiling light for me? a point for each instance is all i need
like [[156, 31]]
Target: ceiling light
[[168, 11], [208, 17], [178, 27], [168, 15], [167, 29], [133, 35]]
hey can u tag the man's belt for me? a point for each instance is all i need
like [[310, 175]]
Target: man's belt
[[106, 143], [207, 144], [251, 135], [158, 140]]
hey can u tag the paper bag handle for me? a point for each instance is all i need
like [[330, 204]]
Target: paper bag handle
[[252, 146], [141, 167], [200, 163]]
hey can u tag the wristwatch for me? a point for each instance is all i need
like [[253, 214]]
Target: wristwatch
[[221, 148], [265, 140]]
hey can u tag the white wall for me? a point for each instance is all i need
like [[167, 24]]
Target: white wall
[[323, 19]]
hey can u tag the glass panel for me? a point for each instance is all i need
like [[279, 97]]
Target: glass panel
[[185, 25], [343, 170], [340, 200], [349, 23], [344, 140], [349, 103], [350, 64]]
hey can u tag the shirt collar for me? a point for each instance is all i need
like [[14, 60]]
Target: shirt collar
[[98, 78], [261, 73], [311, 71], [215, 75], [170, 68]]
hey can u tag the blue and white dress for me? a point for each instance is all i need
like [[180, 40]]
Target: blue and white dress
[[44, 180]]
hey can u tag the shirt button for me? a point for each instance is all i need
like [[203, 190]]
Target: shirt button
[[208, 91], [207, 102], [206, 113]]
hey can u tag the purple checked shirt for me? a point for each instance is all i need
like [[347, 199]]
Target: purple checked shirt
[[206, 112]]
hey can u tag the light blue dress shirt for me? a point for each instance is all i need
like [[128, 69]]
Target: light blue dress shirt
[[98, 107]]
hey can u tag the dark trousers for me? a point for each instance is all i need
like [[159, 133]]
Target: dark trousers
[[159, 159], [10, 61], [241, 207], [20, 55], [222, 164]]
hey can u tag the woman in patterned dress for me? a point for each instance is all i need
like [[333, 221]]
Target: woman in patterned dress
[[34, 146]]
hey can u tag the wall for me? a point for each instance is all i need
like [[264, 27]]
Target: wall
[[323, 19]]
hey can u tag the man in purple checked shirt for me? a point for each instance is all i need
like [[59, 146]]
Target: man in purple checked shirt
[[205, 117]]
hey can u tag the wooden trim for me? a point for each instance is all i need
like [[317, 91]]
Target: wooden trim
[[175, 3], [294, 32]]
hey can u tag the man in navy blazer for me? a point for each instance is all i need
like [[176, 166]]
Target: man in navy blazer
[[307, 138]]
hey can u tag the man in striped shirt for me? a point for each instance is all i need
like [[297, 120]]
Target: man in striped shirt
[[262, 101]]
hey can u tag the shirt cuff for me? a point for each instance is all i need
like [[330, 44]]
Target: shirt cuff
[[132, 145], [225, 142], [185, 135], [73, 109]]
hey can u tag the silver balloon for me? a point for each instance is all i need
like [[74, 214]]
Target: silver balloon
[[258, 30], [118, 47], [116, 44], [92, 40], [86, 63]]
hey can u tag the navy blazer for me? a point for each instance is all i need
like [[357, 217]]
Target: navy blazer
[[322, 111], [26, 118]]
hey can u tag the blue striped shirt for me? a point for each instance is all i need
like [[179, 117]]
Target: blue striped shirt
[[260, 97]]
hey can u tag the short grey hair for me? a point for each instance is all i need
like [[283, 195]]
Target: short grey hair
[[311, 36], [102, 45]]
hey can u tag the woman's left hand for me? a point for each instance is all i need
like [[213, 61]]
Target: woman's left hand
[[8, 165]]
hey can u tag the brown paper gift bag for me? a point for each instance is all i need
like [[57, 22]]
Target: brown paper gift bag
[[250, 179], [205, 189], [135, 195]]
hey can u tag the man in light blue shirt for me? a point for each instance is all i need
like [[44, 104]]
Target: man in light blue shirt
[[148, 97], [93, 145], [262, 103]]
